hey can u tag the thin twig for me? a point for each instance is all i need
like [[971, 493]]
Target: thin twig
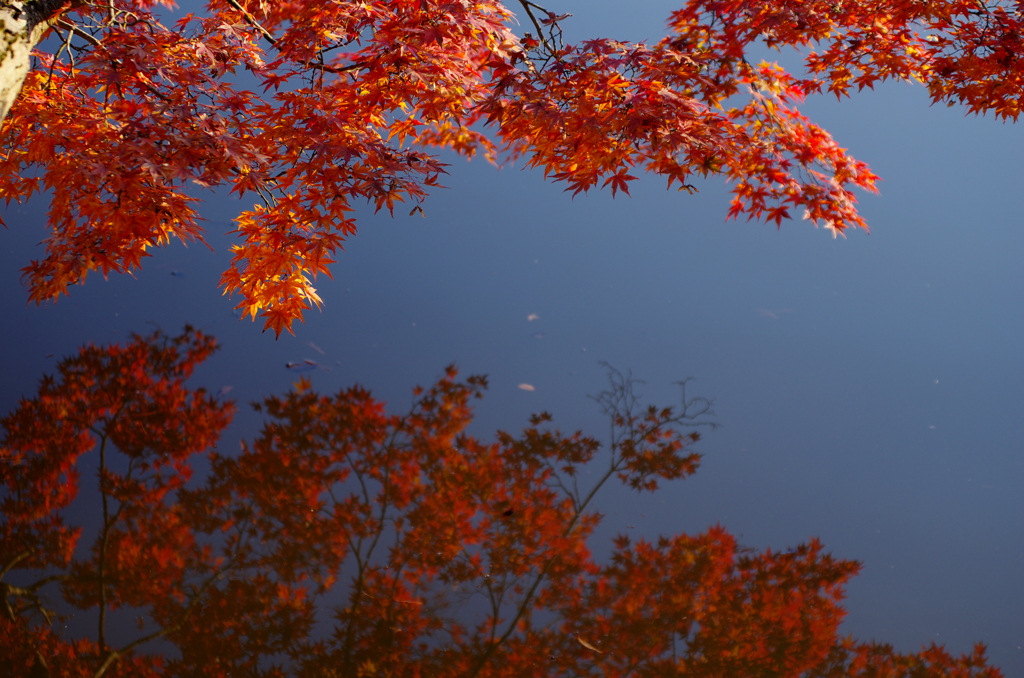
[[251, 20], [536, 24]]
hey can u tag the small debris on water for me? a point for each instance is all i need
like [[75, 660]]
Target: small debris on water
[[773, 313], [302, 366], [526, 387]]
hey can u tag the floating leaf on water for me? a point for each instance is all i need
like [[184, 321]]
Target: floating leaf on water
[[302, 366], [588, 645], [526, 387]]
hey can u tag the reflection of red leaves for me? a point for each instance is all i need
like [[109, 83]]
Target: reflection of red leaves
[[441, 554], [130, 405], [131, 396]]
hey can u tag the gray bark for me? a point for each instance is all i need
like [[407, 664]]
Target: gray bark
[[22, 25]]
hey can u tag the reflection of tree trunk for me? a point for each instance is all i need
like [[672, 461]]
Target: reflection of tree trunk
[[526, 605], [23, 25], [101, 565]]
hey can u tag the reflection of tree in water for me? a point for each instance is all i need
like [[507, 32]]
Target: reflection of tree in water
[[450, 556]]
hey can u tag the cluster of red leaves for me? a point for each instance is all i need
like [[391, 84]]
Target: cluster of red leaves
[[345, 540], [309, 106]]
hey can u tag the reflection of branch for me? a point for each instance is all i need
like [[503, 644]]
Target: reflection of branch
[[619, 403], [527, 601], [31, 595], [17, 559], [496, 602], [114, 655], [356, 545], [102, 564], [33, 600], [556, 482]]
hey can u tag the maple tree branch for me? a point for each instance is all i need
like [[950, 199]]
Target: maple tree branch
[[269, 37], [71, 28], [251, 20], [527, 5], [66, 47]]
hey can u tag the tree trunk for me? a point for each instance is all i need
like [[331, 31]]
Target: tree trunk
[[22, 25]]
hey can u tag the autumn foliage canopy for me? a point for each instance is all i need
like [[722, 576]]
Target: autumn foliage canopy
[[305, 109], [345, 540]]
